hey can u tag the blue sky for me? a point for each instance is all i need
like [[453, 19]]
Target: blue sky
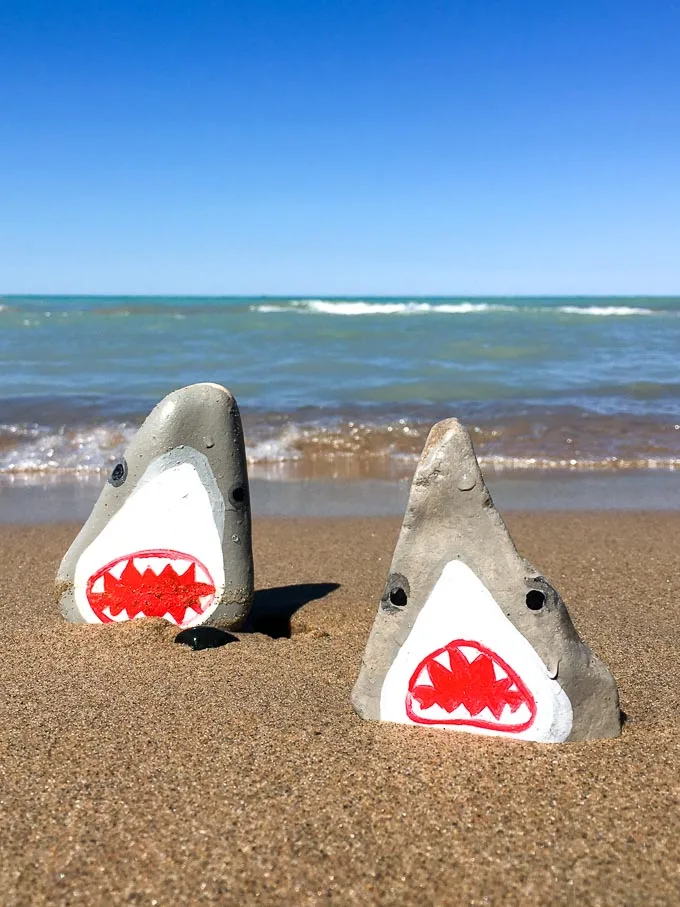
[[311, 147]]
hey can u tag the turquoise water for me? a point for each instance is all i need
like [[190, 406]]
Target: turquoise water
[[581, 381]]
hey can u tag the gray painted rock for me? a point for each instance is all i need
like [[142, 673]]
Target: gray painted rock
[[468, 635], [170, 534]]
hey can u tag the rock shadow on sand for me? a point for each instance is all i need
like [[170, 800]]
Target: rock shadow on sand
[[273, 608]]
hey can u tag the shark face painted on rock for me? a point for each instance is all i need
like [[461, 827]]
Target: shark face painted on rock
[[170, 534], [468, 635], [465, 665], [160, 555]]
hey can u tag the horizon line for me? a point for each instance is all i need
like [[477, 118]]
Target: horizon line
[[338, 296]]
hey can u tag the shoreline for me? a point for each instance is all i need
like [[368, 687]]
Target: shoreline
[[75, 437], [35, 502]]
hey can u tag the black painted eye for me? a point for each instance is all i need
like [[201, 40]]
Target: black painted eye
[[398, 597], [238, 495], [535, 599], [396, 593], [118, 473]]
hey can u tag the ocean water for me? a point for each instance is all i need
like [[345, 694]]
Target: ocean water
[[346, 387]]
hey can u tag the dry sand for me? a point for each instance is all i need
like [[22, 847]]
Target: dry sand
[[136, 771]]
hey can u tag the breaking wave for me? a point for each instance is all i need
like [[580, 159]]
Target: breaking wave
[[36, 312], [355, 308], [281, 446], [604, 311]]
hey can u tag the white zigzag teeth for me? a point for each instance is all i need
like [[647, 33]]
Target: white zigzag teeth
[[444, 659], [158, 565], [519, 716], [434, 713], [118, 618], [460, 713], [424, 679], [506, 715], [523, 713], [498, 671], [486, 715], [201, 575], [469, 652], [437, 713], [117, 569]]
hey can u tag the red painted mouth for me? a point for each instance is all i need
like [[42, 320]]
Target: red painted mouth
[[467, 684], [158, 583]]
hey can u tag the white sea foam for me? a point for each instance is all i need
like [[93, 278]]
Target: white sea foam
[[269, 309], [404, 308], [90, 451], [360, 307], [38, 451], [85, 450], [279, 449], [603, 310], [354, 308]]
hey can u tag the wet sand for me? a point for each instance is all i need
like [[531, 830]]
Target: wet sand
[[136, 771], [39, 500]]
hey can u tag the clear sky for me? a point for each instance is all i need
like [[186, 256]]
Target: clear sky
[[340, 146]]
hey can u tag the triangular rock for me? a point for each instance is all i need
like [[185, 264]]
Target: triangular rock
[[468, 635], [170, 534]]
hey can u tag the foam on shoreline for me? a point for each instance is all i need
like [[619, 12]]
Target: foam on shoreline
[[362, 444]]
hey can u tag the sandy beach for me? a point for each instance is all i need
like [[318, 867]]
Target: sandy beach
[[138, 771]]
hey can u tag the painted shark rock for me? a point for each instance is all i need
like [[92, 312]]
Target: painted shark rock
[[468, 635], [170, 535]]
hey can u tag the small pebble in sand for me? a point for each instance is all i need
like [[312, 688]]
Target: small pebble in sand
[[204, 638]]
